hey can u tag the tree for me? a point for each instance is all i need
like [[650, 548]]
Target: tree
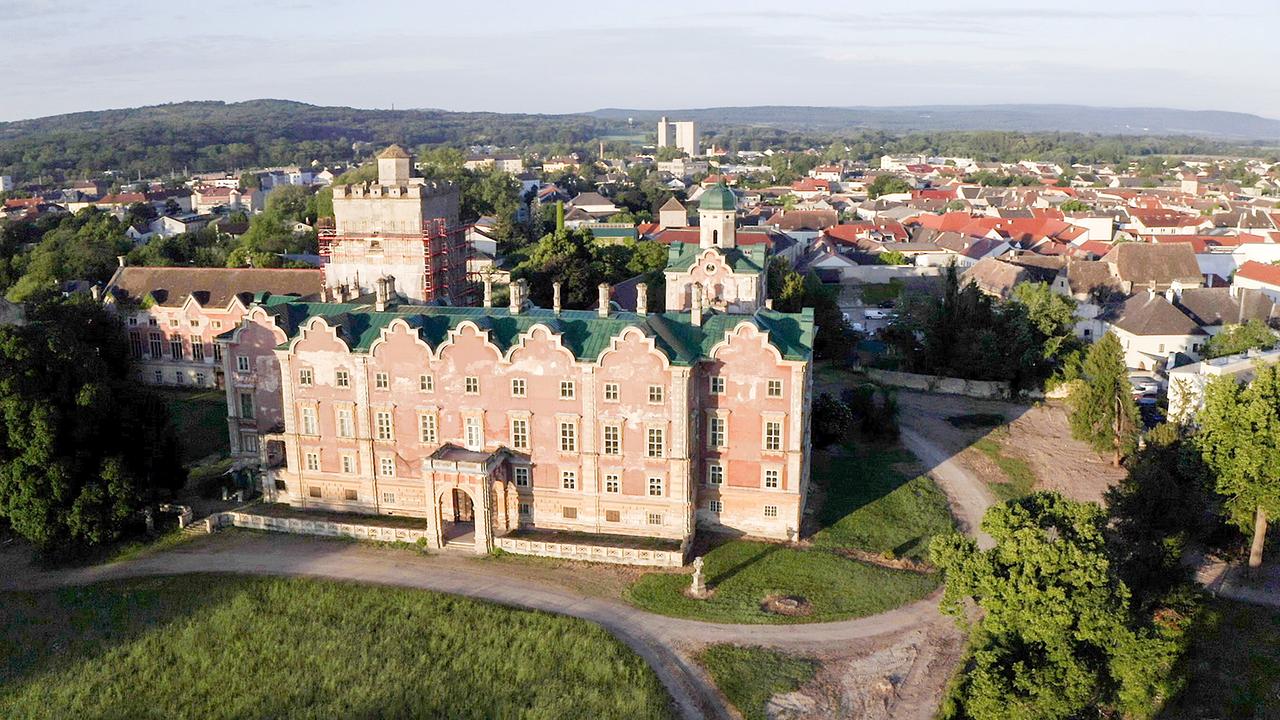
[[887, 185], [1239, 440], [893, 257], [1054, 316], [82, 445], [832, 420], [1056, 637], [1102, 409], [292, 203], [1240, 338], [1073, 205], [83, 246]]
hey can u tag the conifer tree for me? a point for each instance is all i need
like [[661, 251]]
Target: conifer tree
[[1103, 413]]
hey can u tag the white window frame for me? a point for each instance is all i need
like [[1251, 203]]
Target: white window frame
[[715, 474], [428, 430], [654, 518], [767, 442], [612, 483], [519, 388], [383, 426], [656, 486], [716, 506], [309, 420], [776, 478], [521, 476], [473, 432], [312, 460], [342, 378], [519, 427], [649, 435], [771, 386], [568, 479], [471, 385], [771, 511], [657, 394], [386, 466], [306, 377], [717, 431], [611, 392], [344, 422], [242, 363], [348, 463], [381, 381], [567, 436], [426, 383], [568, 390], [611, 439], [716, 385]]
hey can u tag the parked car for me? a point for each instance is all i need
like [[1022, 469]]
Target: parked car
[[1145, 399], [879, 314], [1143, 384]]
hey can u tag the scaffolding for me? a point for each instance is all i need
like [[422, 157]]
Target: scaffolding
[[445, 258]]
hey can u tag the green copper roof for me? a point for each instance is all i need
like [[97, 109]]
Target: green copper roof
[[745, 259], [717, 197], [583, 332]]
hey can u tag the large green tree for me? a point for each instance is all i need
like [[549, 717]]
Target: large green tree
[[1103, 413], [82, 445], [83, 246], [1054, 316], [1238, 338], [1055, 637], [887, 185], [1239, 439]]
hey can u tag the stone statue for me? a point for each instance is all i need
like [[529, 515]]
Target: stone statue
[[699, 585], [149, 516]]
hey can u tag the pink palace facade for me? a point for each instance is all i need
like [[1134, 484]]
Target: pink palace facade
[[507, 420]]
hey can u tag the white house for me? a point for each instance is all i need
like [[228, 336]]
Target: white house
[[1187, 382]]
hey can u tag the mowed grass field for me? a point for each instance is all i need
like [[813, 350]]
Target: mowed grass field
[[872, 506], [749, 676], [220, 646]]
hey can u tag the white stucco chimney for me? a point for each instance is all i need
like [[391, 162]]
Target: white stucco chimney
[[603, 298], [380, 294], [642, 299], [555, 297], [517, 296], [488, 292], [695, 307]]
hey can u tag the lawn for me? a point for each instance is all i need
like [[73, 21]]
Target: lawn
[[749, 676], [1020, 479], [870, 506], [200, 421], [1234, 665], [220, 646], [876, 293]]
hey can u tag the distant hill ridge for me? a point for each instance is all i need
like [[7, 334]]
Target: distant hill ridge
[[1017, 118]]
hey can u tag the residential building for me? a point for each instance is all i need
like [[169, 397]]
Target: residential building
[[682, 134], [1187, 382], [1256, 275]]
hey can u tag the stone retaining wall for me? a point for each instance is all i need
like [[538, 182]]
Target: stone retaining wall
[[981, 389], [592, 553]]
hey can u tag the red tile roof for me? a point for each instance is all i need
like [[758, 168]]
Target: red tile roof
[[1260, 272]]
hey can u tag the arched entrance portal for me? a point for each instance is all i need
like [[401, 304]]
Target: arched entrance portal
[[458, 518]]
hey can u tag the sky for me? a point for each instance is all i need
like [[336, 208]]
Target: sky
[[552, 56]]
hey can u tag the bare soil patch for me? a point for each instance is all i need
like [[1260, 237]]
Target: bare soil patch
[[789, 605]]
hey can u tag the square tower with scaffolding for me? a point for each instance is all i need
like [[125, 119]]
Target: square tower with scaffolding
[[398, 226]]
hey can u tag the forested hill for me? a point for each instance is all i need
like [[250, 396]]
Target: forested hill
[[210, 135], [942, 118]]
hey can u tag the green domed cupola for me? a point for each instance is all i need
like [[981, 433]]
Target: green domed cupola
[[718, 197]]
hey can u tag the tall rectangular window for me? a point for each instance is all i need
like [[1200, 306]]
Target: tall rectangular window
[[518, 387], [569, 479], [772, 435], [349, 464], [313, 461], [568, 436], [381, 381], [175, 347], [342, 378], [382, 425], [717, 432], [656, 443], [306, 376], [217, 353], [474, 434], [656, 393], [471, 385], [717, 385], [612, 444], [521, 475], [655, 487], [246, 405], [520, 433], [567, 390], [426, 383], [612, 483], [309, 424], [346, 426], [197, 348], [775, 388], [427, 428], [249, 442], [715, 474], [772, 478], [135, 345], [154, 345], [242, 363], [611, 392]]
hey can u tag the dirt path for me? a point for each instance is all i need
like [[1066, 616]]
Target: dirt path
[[967, 493], [667, 644]]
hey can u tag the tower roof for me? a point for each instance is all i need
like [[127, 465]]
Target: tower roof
[[394, 152], [718, 197]]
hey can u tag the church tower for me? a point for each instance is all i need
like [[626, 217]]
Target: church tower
[[717, 218]]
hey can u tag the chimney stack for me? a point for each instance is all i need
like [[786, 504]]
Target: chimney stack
[[555, 297], [96, 292], [324, 293], [768, 303], [695, 309], [120, 260], [488, 292], [380, 294], [642, 299], [603, 310], [391, 288]]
